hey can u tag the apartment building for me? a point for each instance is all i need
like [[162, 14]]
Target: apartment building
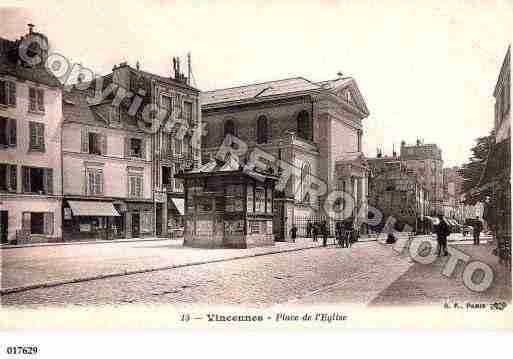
[[30, 143]]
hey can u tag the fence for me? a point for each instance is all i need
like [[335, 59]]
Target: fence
[[301, 224]]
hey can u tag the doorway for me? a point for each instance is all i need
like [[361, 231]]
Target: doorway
[[136, 224], [158, 220], [4, 226]]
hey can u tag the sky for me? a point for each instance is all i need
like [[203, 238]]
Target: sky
[[426, 69]]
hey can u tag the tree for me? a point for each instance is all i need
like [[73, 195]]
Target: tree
[[473, 171]]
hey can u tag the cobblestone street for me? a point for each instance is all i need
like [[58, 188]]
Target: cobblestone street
[[368, 273]]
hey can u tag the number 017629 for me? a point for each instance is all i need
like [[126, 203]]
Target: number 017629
[[24, 350]]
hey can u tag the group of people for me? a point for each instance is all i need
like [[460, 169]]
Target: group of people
[[344, 232]]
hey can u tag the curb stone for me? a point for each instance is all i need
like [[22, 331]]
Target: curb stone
[[51, 244]]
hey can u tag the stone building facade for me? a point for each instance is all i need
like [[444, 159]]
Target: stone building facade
[[30, 143], [107, 171], [426, 160], [398, 192], [314, 127], [143, 141]]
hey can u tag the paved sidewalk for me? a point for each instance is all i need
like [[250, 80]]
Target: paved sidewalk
[[92, 241], [37, 267]]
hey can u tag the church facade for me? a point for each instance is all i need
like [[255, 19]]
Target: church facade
[[314, 128]]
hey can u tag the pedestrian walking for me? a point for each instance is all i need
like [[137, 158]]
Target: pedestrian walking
[[477, 226], [308, 229], [314, 232], [442, 232], [338, 234], [293, 233], [324, 230], [348, 230]]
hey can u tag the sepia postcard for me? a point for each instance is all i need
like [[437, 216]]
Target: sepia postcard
[[257, 164]]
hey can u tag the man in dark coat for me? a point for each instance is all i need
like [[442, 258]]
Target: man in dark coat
[[293, 233], [315, 231], [477, 226], [442, 232], [324, 231]]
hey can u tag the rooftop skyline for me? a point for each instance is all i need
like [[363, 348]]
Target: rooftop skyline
[[429, 76]]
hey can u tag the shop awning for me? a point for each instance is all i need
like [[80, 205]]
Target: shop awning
[[92, 208], [179, 204]]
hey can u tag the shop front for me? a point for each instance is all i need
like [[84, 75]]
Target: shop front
[[139, 219], [89, 220]]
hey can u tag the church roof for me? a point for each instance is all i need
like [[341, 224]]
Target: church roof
[[260, 90]]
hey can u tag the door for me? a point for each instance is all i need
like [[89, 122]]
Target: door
[[136, 224], [3, 226], [158, 220]]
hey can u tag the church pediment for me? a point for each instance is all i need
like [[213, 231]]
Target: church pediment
[[347, 90]]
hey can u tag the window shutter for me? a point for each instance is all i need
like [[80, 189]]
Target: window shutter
[[33, 135], [41, 136], [26, 179], [48, 223], [3, 93], [140, 186], [104, 145], [85, 140], [12, 93], [4, 131], [12, 132], [32, 99], [13, 178], [90, 187], [99, 182], [132, 187], [126, 146], [143, 148], [40, 100], [49, 180]]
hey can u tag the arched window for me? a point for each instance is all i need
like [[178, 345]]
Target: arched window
[[229, 128], [262, 129], [305, 183], [304, 126]]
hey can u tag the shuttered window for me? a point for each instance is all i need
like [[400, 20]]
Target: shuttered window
[[7, 132], [13, 178], [35, 180], [36, 100], [135, 186], [37, 136], [7, 93], [94, 182]]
